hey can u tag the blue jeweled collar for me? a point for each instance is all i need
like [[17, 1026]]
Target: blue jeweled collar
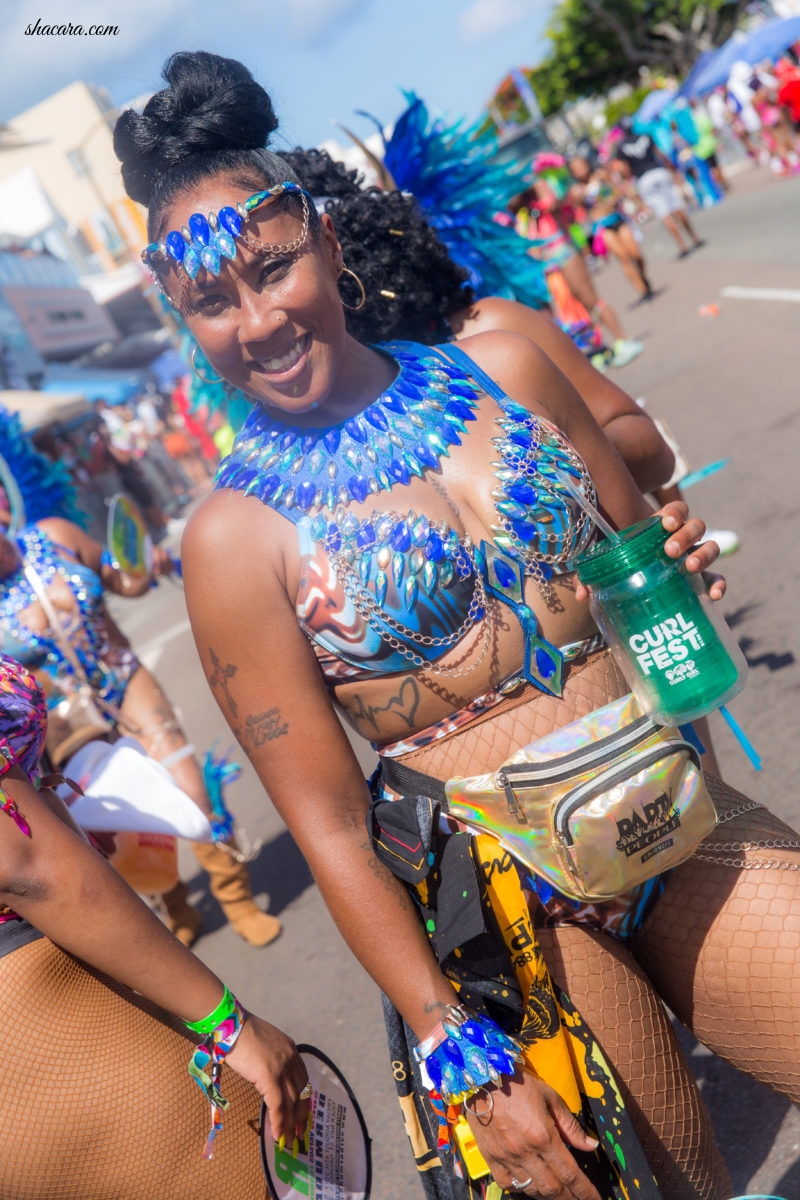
[[410, 427]]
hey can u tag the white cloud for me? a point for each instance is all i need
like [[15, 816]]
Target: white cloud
[[314, 21], [485, 18]]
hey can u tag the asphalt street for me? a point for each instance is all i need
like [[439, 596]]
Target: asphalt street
[[727, 385]]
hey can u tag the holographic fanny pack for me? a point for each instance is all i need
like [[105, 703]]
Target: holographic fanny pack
[[596, 807]]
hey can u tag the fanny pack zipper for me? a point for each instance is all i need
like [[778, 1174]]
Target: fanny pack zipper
[[601, 783], [536, 774]]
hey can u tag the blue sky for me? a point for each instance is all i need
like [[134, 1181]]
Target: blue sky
[[320, 59]]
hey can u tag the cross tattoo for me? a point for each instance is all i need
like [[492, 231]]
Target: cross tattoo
[[220, 678]]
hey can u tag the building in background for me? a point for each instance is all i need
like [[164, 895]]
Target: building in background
[[61, 191], [69, 145]]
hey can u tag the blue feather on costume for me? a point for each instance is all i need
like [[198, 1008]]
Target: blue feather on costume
[[46, 487], [218, 772], [450, 172]]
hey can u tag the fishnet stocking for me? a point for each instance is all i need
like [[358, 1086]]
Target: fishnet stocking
[[625, 1015], [723, 943], [102, 1106], [487, 741]]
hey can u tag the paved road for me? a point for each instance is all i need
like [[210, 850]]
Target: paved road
[[728, 387]]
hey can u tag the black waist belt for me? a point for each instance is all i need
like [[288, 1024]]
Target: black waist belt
[[15, 934], [409, 782]]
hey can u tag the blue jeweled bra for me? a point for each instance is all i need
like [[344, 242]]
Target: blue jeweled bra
[[17, 595], [397, 570]]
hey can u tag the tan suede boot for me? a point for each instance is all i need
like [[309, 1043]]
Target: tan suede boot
[[230, 885], [182, 918]]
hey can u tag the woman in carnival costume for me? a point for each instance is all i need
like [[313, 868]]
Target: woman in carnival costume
[[463, 193], [355, 536], [101, 1102], [609, 225], [544, 215], [75, 573]]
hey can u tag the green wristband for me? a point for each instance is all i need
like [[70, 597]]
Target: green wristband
[[209, 1024]]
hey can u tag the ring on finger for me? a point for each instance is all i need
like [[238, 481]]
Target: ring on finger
[[306, 1092], [519, 1185]]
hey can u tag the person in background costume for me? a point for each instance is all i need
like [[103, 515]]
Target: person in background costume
[[354, 529], [598, 193], [102, 1103], [76, 573], [464, 195], [649, 171]]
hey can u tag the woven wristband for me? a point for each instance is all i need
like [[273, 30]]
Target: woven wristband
[[224, 1009]]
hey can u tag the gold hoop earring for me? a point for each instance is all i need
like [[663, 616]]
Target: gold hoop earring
[[199, 374], [363, 301]]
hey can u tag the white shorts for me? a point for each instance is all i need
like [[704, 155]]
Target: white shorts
[[660, 192]]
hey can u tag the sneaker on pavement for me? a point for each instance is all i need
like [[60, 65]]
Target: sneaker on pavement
[[625, 351], [726, 539]]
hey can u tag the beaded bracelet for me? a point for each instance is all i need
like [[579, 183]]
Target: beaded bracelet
[[221, 1029], [8, 759], [9, 806], [464, 1053]]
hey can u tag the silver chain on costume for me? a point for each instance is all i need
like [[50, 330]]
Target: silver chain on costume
[[370, 610], [724, 848], [524, 466]]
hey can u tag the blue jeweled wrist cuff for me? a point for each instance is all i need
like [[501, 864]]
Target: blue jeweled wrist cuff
[[469, 1053]]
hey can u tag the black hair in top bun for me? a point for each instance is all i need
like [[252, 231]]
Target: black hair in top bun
[[212, 119]]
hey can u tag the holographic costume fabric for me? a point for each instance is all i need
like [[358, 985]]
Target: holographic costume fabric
[[389, 590], [383, 593]]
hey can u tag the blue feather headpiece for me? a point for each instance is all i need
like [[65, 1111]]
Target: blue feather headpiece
[[450, 171], [36, 486]]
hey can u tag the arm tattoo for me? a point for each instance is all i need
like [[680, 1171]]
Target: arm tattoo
[[405, 704], [438, 1006], [261, 728], [220, 679], [382, 873]]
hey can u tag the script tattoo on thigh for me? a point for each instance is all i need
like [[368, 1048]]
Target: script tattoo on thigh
[[261, 728], [220, 678]]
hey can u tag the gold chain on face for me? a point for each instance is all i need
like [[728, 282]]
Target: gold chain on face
[[276, 249]]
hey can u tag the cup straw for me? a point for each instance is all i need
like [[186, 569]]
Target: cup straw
[[592, 513]]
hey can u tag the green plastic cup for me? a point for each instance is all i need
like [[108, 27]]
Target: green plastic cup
[[674, 648]]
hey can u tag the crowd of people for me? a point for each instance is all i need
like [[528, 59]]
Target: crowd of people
[[390, 541]]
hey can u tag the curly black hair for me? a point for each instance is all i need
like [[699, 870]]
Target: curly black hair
[[411, 284]]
